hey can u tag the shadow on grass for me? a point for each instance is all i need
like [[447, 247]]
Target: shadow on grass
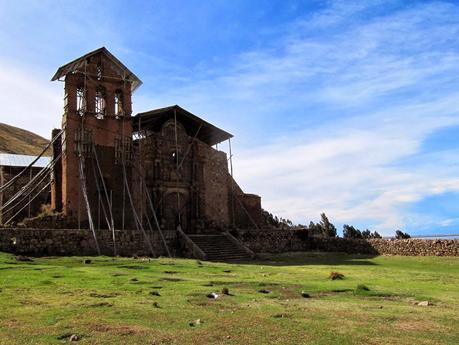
[[298, 259]]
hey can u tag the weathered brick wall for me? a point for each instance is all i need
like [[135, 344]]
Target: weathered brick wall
[[7, 173], [216, 191], [80, 242], [279, 241]]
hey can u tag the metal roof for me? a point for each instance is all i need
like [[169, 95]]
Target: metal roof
[[79, 63], [206, 132], [13, 160]]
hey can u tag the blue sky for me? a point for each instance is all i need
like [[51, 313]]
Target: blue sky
[[344, 107]]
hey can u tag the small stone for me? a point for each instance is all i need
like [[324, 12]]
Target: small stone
[[134, 280], [336, 276], [424, 303], [155, 293], [73, 337], [264, 291], [23, 258], [87, 261], [212, 295], [305, 294], [195, 323], [156, 305]]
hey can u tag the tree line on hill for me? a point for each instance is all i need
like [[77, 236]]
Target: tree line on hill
[[325, 228]]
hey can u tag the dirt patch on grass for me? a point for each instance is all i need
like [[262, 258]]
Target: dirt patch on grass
[[31, 302], [134, 267], [107, 295], [172, 279], [120, 330], [417, 325], [101, 304]]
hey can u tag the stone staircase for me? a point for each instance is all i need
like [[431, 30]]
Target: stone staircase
[[221, 247]]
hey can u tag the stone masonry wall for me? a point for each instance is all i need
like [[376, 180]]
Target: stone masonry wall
[[280, 241], [40, 242]]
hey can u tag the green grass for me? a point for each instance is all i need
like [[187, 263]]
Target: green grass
[[115, 301]]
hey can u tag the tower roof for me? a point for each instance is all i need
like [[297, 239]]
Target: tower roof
[[195, 126], [78, 63]]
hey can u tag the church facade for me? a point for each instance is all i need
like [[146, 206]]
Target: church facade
[[159, 169]]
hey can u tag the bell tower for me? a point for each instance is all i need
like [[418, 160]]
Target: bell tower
[[96, 142]]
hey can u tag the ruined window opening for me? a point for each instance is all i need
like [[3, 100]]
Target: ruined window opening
[[118, 103], [99, 72], [100, 103], [81, 100]]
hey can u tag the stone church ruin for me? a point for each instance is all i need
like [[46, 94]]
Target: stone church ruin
[[155, 179]]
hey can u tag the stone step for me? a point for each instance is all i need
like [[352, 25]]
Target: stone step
[[218, 247]]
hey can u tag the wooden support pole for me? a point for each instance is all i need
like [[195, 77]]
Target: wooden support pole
[[233, 216]]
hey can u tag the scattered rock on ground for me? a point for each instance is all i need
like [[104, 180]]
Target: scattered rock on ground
[[23, 258], [212, 295], [74, 337], [195, 323], [424, 303], [305, 294], [336, 276], [155, 293], [264, 291]]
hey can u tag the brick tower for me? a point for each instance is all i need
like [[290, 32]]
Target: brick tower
[[97, 128]]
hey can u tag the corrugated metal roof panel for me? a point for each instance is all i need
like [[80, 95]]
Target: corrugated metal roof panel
[[13, 160]]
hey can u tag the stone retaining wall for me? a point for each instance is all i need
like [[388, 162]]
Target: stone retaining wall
[[41, 242], [280, 241]]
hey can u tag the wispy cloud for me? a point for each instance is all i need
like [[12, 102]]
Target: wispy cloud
[[29, 100], [371, 92], [331, 114]]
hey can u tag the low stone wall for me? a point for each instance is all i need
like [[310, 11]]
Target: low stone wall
[[416, 247], [280, 241], [41, 242]]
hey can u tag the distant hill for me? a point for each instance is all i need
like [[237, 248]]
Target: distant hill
[[20, 141]]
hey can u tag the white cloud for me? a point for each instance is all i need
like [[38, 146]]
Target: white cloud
[[29, 100], [385, 86], [340, 103]]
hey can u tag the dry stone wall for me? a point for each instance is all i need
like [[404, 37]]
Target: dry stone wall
[[40, 242], [280, 241]]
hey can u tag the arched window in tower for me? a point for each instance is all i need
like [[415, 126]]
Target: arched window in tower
[[119, 103], [100, 103], [81, 101]]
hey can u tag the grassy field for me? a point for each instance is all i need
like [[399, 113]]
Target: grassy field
[[159, 301]]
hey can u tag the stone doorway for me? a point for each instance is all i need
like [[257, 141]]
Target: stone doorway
[[176, 210]]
